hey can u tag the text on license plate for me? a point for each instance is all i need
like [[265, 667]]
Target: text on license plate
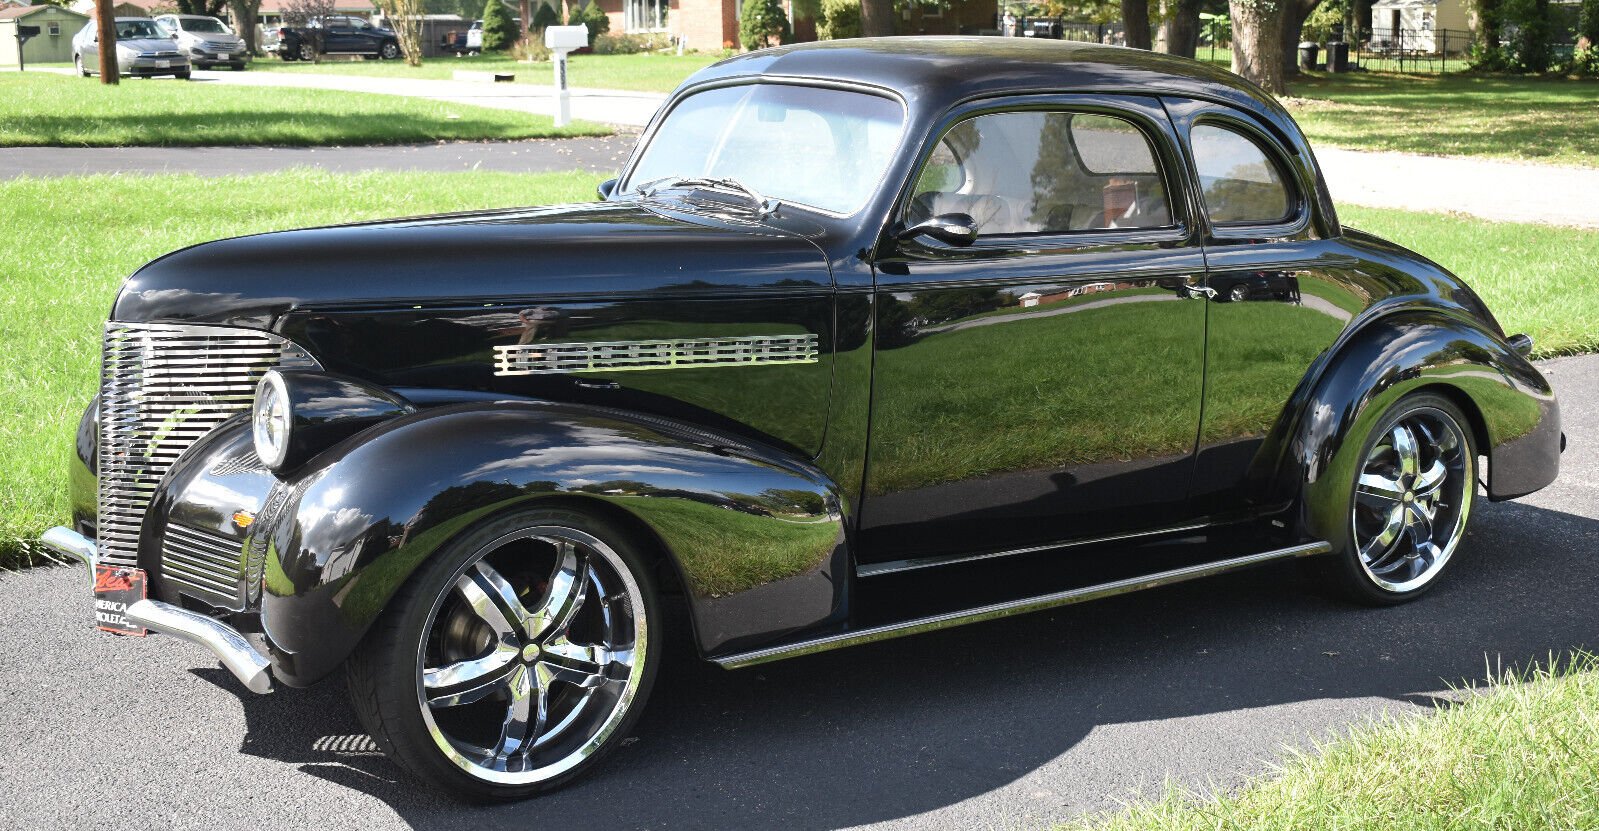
[[162, 64]]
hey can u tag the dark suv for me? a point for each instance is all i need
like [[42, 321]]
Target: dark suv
[[337, 36]]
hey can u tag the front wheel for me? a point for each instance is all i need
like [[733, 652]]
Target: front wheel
[[1411, 500], [77, 61], [390, 51], [515, 659]]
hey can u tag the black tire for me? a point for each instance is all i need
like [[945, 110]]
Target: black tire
[[386, 674], [389, 51], [1238, 293], [78, 60], [182, 76], [1444, 438], [307, 52]]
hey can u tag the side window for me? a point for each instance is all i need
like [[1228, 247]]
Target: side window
[[1043, 173], [1240, 182]]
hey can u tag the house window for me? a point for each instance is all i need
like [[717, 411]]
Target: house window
[[645, 15], [54, 29], [932, 12]]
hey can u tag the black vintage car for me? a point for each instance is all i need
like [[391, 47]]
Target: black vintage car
[[869, 338]]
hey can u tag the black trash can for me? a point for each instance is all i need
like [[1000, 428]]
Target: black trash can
[[1307, 56], [1337, 56]]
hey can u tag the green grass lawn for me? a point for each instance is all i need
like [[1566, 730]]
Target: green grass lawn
[[1523, 755], [65, 255], [44, 109], [1455, 114], [643, 72]]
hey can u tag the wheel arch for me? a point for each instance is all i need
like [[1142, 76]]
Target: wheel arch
[[362, 517], [1510, 407]]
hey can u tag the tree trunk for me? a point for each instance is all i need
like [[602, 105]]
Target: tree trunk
[[245, 14], [525, 9], [1135, 20], [877, 18], [1179, 31], [1488, 20], [1294, 15], [1258, 42]]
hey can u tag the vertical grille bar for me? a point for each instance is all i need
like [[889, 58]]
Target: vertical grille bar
[[162, 387]]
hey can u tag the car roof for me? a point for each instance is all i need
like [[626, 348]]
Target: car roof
[[937, 72]]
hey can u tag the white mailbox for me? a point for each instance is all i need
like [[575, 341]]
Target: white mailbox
[[561, 40], [566, 37]]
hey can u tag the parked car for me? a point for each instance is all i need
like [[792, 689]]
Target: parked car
[[143, 50], [462, 42], [784, 376], [336, 36], [207, 40]]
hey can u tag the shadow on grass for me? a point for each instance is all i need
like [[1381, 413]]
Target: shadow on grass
[[894, 730]]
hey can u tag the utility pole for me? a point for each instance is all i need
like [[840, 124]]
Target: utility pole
[[105, 22]]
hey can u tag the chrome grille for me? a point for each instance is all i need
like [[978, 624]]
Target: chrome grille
[[620, 356], [204, 564], [162, 387]]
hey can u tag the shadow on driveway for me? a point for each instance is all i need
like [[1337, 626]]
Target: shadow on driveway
[[898, 729]]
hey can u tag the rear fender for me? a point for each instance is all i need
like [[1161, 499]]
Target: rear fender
[[756, 539], [1515, 417]]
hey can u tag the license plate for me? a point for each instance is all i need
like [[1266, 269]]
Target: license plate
[[162, 64], [115, 589]]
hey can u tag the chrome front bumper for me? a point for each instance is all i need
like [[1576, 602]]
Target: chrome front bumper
[[230, 646]]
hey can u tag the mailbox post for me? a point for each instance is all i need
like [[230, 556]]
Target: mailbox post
[[561, 40], [24, 34]]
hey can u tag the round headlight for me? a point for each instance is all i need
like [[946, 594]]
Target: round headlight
[[270, 420]]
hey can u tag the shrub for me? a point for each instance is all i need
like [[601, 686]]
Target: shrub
[[1318, 27], [1529, 28], [531, 48], [1588, 23], [590, 15], [839, 19], [763, 21], [629, 44], [545, 17], [499, 30]]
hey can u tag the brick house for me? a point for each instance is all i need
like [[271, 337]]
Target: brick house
[[712, 25]]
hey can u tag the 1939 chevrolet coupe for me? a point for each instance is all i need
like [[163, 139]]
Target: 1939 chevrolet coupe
[[869, 338]]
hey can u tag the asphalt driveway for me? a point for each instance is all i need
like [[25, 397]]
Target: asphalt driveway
[[1011, 724]]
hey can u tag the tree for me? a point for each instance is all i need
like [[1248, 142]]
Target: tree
[[762, 22], [545, 17], [300, 14], [592, 16], [1295, 13], [405, 17], [877, 18], [1258, 42], [1179, 27], [245, 16], [838, 19], [1135, 20], [209, 8], [1488, 20], [499, 30]]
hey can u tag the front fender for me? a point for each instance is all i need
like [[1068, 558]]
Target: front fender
[[1515, 416], [756, 539]]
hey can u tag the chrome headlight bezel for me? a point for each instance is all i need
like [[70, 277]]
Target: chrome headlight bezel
[[271, 420]]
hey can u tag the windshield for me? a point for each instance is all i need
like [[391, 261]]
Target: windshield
[[822, 148], [134, 29], [209, 25]]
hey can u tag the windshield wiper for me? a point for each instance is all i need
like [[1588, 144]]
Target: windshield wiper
[[763, 206]]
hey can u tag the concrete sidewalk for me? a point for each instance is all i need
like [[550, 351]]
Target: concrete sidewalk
[[1492, 189]]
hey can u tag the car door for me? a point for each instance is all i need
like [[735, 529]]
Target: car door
[[1282, 290], [1042, 384], [89, 47]]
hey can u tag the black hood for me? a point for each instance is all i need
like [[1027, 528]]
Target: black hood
[[601, 250]]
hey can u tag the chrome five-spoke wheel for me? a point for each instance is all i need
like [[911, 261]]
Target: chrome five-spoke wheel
[[1412, 495], [529, 655]]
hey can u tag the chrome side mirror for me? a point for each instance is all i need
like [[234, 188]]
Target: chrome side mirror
[[605, 189], [959, 230]]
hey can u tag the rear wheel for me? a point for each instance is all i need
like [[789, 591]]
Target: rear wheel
[[390, 51], [1411, 500], [307, 52], [515, 660], [77, 61]]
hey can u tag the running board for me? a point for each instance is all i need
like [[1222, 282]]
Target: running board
[[1014, 607]]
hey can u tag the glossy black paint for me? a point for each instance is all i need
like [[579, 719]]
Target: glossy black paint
[[325, 409], [1155, 409]]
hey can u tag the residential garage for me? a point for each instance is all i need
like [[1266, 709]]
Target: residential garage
[[53, 44]]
